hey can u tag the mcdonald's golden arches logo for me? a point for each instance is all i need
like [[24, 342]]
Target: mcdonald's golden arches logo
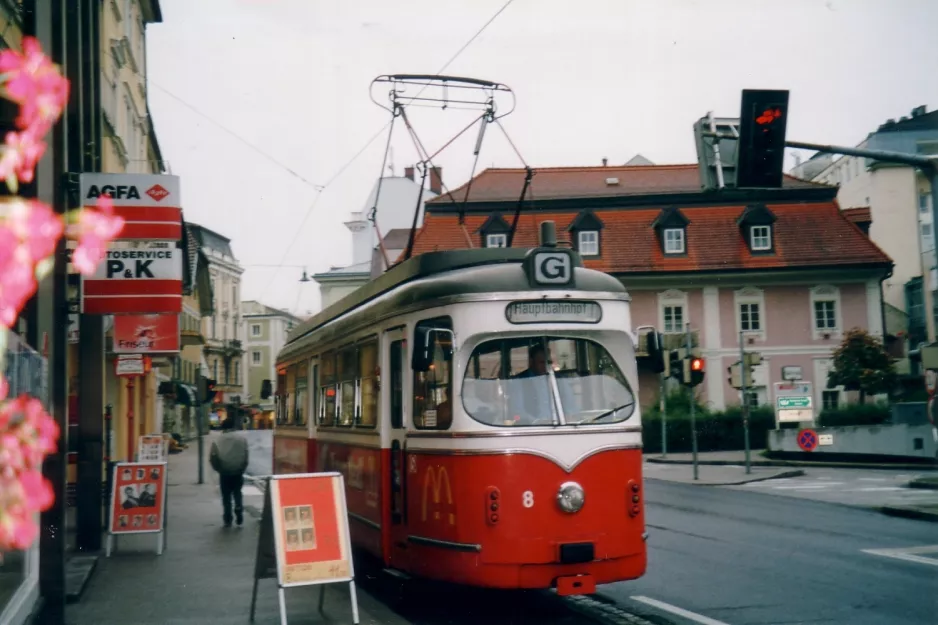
[[438, 478]]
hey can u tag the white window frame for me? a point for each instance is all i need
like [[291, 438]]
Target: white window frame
[[826, 293], [682, 239], [750, 295], [584, 245], [673, 298], [490, 240], [928, 239], [256, 362], [255, 329], [767, 236]]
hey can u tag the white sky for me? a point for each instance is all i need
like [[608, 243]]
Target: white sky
[[593, 79]]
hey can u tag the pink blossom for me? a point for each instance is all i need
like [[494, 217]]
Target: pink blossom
[[8, 244], [37, 227], [37, 491], [95, 230], [35, 84], [4, 390], [17, 285], [21, 152], [106, 204]]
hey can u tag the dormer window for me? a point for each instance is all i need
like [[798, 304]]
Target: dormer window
[[674, 240], [671, 228], [760, 238], [586, 233], [494, 232], [756, 225], [587, 242], [496, 240]]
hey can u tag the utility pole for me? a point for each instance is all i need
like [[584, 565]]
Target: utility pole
[[693, 417], [743, 366], [664, 418]]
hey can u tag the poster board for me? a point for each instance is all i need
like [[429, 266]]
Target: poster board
[[152, 448], [304, 537], [138, 501]]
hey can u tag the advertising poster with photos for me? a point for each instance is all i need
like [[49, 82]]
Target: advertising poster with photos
[[138, 497], [152, 448]]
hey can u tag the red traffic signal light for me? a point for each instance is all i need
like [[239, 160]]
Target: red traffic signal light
[[760, 153], [693, 371], [697, 364]]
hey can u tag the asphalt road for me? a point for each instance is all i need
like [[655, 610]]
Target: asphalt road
[[736, 556]]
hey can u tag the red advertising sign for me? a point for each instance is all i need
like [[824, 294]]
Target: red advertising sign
[[150, 204], [138, 498], [146, 334], [310, 529], [142, 279]]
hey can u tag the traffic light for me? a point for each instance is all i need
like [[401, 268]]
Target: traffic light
[[209, 390], [761, 151], [736, 378], [675, 367], [693, 371]]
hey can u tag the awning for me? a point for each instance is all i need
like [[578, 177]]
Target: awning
[[185, 395]]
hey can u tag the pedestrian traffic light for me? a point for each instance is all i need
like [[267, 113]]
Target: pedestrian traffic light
[[693, 371], [760, 154]]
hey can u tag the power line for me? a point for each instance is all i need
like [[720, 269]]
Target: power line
[[474, 37]]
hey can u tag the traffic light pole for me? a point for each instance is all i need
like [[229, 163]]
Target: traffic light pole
[[745, 404], [664, 419], [693, 417]]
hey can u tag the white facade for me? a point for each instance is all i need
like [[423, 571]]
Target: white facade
[[265, 333]]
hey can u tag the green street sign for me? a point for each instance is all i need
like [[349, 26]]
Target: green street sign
[[793, 403]]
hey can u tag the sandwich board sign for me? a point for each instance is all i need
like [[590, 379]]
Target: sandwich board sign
[[138, 502], [304, 538]]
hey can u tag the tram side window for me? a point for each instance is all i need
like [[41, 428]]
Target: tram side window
[[300, 394], [368, 383], [290, 397], [281, 398], [397, 384], [347, 365], [433, 389], [327, 390]]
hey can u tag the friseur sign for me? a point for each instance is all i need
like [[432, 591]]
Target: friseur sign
[[150, 204]]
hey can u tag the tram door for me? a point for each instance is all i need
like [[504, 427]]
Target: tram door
[[397, 367]]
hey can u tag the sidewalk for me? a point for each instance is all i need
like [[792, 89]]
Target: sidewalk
[[715, 475], [757, 459], [205, 574]]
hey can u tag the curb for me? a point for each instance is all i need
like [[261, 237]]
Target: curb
[[909, 513], [763, 478], [797, 463]]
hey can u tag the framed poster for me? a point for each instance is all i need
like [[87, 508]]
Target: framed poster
[[152, 448], [138, 500], [304, 537]]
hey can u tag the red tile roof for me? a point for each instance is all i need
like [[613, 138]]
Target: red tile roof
[[493, 185], [858, 215], [805, 235]]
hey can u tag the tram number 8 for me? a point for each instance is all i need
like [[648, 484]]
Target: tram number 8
[[527, 499]]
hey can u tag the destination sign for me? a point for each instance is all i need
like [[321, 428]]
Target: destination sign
[[553, 311]]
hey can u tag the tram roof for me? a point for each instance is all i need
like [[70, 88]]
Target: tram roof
[[431, 264]]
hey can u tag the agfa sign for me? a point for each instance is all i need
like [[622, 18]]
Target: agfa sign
[[150, 204]]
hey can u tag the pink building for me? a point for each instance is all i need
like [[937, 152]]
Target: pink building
[[783, 266]]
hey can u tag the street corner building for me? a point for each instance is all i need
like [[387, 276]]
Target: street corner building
[[785, 267]]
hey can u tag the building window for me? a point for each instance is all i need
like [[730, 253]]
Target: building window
[[674, 319], [924, 202], [215, 369], [749, 318], [760, 238], [255, 329], [825, 315], [750, 312], [255, 358], [752, 399], [237, 372], [928, 237], [588, 243], [825, 310], [674, 241], [496, 240], [672, 311], [830, 400]]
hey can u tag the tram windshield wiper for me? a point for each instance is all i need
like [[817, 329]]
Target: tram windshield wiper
[[603, 415]]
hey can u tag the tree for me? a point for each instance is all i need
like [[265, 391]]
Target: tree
[[861, 363]]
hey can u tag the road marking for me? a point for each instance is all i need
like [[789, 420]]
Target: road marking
[[673, 609], [875, 489], [871, 479], [910, 554], [808, 486]]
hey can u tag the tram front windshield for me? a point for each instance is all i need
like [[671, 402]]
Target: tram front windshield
[[545, 381]]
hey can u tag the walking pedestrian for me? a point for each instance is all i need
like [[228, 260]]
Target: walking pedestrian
[[229, 457]]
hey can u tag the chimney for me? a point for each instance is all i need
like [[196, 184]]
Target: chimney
[[409, 173], [605, 161], [436, 180]]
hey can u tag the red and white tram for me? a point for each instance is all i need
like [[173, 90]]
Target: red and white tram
[[483, 408]]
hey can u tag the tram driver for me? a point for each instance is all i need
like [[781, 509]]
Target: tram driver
[[531, 401]]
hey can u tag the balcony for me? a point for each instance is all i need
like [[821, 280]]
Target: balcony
[[233, 347]]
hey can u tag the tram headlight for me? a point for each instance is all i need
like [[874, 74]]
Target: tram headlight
[[570, 497]]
